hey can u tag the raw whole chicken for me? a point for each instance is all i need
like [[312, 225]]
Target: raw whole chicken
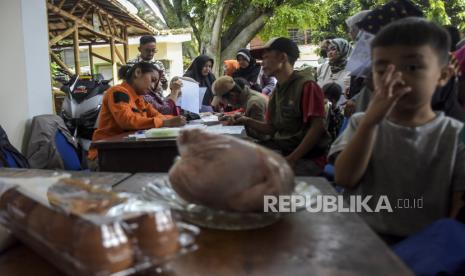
[[228, 173]]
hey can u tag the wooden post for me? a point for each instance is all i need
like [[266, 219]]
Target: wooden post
[[91, 60], [77, 58], [113, 61], [126, 44]]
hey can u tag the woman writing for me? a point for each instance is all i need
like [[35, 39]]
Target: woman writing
[[124, 108]]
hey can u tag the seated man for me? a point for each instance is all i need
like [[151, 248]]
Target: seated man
[[124, 108], [296, 113], [237, 93], [400, 149]]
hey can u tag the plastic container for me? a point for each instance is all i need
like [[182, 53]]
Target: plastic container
[[88, 231]]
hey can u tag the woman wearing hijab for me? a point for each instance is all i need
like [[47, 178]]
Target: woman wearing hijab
[[248, 69], [352, 23], [200, 71], [334, 70]]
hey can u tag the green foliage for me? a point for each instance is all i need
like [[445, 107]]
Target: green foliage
[[327, 18], [321, 17], [437, 12], [306, 15], [456, 11]]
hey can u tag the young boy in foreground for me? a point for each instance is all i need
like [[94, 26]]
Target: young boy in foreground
[[401, 148]]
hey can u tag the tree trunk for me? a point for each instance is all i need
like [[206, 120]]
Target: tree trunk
[[211, 34]]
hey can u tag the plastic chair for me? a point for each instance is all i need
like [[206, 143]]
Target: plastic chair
[[10, 160], [67, 152]]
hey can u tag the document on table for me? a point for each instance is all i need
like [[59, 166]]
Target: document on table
[[189, 99], [220, 129]]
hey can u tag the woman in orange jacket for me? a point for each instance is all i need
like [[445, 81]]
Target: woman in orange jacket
[[124, 108]]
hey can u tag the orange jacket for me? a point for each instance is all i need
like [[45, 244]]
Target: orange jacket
[[123, 110]]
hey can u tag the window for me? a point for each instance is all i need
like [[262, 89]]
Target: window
[[69, 57], [299, 36]]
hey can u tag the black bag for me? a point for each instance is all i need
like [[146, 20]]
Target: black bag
[[9, 155]]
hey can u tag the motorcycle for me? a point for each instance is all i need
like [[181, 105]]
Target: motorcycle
[[81, 106]]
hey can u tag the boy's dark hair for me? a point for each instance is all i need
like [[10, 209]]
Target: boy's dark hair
[[402, 32], [332, 91], [147, 39], [126, 72]]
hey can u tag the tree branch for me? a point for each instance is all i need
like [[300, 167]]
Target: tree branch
[[249, 16], [244, 37]]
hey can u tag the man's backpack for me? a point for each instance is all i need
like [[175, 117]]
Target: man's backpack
[[9, 156]]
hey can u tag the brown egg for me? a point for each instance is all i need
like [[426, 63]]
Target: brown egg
[[102, 248], [155, 234]]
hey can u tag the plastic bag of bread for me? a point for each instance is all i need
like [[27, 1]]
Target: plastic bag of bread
[[85, 230], [228, 173]]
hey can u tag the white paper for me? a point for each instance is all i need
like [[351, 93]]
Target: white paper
[[189, 99], [360, 59], [209, 119], [220, 129], [202, 91]]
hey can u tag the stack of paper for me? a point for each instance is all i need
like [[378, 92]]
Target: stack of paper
[[164, 132]]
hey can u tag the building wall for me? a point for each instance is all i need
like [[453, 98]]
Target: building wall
[[25, 70], [175, 57]]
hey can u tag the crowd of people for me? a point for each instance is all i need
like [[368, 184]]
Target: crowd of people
[[394, 128]]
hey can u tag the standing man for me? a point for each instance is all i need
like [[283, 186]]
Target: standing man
[[296, 113], [147, 49]]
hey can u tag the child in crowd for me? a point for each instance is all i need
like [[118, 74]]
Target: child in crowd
[[400, 148], [124, 108], [334, 117]]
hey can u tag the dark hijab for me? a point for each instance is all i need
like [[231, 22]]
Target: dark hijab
[[195, 72], [251, 72]]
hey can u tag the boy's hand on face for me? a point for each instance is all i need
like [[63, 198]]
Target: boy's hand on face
[[389, 88]]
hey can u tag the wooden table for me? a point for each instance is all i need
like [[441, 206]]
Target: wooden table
[[299, 244], [120, 154]]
